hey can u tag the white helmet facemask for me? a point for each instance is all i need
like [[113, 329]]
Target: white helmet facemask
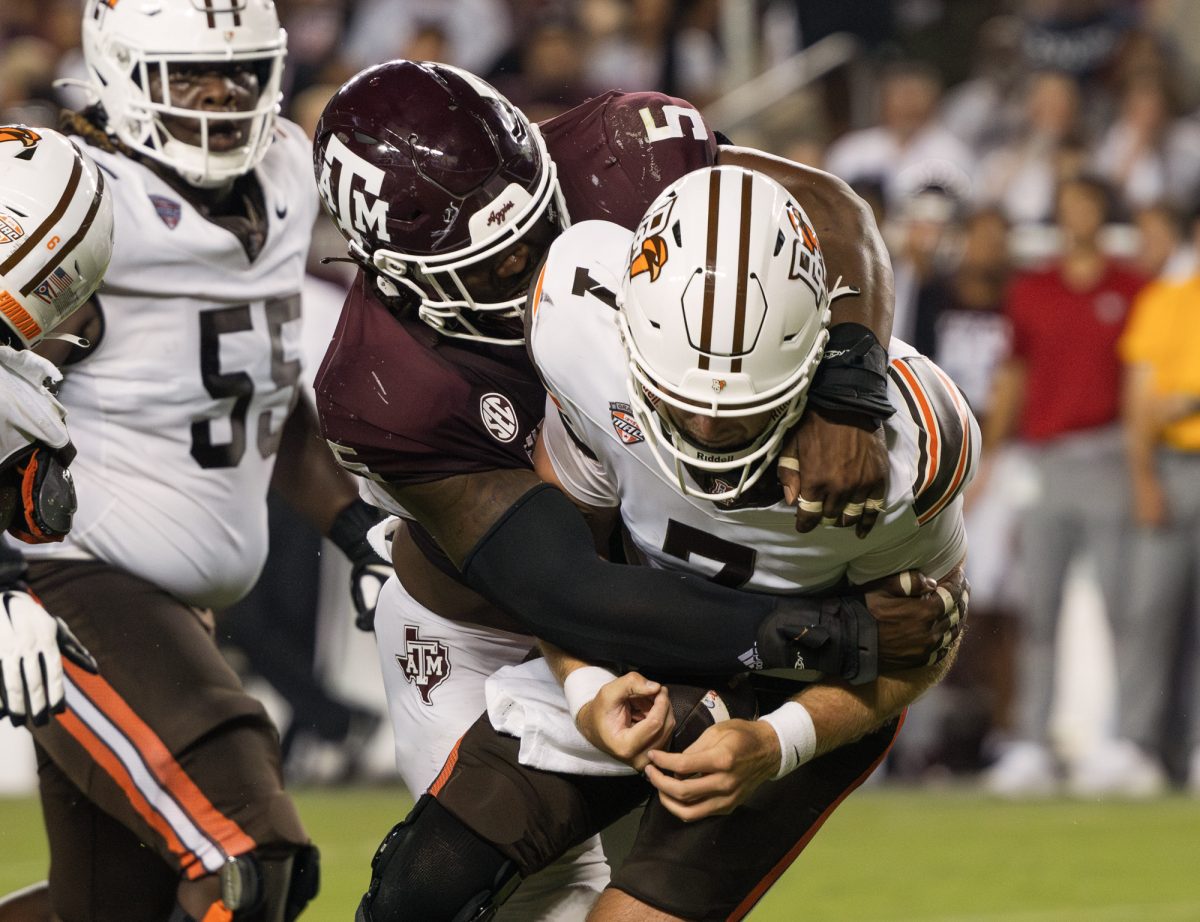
[[130, 47], [724, 312]]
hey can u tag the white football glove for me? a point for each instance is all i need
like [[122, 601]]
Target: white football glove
[[31, 671]]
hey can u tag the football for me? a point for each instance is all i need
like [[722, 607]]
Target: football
[[698, 707]]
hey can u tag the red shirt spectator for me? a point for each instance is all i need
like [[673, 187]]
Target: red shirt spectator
[[1067, 338]]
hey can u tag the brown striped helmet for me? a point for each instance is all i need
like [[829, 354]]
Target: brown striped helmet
[[723, 314], [56, 231]]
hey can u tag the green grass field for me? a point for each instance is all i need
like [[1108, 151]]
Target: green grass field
[[887, 855]]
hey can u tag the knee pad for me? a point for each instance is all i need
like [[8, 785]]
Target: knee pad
[[268, 885], [432, 868]]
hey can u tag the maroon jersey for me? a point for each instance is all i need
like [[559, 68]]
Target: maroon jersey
[[404, 405]]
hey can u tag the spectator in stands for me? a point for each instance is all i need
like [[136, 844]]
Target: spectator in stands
[[1021, 175], [1059, 391], [1161, 251], [1161, 352], [922, 239], [962, 326], [1147, 153], [909, 148], [985, 110]]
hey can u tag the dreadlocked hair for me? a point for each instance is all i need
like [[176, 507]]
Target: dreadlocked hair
[[90, 124]]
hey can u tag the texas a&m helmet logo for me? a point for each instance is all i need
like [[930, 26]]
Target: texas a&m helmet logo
[[425, 663], [623, 420], [499, 417]]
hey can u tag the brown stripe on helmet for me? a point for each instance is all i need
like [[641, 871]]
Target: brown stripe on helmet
[[710, 265], [65, 250], [44, 228], [743, 270]]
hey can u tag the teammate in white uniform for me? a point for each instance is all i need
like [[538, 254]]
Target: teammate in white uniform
[[160, 783], [670, 410]]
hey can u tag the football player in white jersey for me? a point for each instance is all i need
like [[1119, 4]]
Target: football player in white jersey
[[673, 377], [160, 783]]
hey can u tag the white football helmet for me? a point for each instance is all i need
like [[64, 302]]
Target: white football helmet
[[724, 309], [123, 42], [56, 231]]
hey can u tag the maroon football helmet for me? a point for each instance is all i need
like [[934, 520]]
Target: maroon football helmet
[[430, 174]]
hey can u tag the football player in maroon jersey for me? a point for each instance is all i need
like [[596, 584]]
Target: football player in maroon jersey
[[448, 197]]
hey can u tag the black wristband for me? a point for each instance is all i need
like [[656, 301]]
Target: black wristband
[[350, 527], [852, 375]]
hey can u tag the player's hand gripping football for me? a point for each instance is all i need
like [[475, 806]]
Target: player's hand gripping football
[[918, 618], [627, 718], [33, 644], [834, 471], [718, 772]]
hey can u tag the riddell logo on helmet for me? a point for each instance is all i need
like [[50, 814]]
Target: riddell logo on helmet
[[500, 215]]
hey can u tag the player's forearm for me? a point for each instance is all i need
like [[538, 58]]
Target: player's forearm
[[538, 563], [842, 713], [1008, 394], [306, 474]]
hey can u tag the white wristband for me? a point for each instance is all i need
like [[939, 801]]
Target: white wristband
[[581, 686], [797, 736]]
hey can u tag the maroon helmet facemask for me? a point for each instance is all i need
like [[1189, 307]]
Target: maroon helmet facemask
[[430, 174]]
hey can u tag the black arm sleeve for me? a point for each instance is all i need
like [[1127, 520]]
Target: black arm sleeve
[[539, 564]]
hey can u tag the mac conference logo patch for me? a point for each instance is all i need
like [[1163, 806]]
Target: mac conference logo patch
[[623, 420]]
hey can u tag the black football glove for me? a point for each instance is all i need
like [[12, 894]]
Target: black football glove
[[835, 636], [370, 572]]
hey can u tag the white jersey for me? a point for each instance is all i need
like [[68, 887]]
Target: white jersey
[[600, 454], [177, 413]]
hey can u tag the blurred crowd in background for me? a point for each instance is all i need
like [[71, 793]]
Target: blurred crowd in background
[[1034, 166]]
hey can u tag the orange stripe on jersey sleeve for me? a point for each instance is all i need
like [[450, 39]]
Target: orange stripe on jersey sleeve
[[112, 767], [964, 451], [170, 774], [931, 426], [537, 291]]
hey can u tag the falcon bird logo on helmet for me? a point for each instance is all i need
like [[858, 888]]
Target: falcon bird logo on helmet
[[27, 138], [431, 175], [651, 258]]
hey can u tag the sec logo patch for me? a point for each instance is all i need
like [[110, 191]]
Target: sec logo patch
[[499, 417]]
